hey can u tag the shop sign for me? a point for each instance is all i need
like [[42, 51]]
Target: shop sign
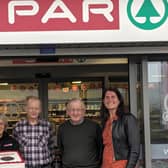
[[31, 15], [61, 21]]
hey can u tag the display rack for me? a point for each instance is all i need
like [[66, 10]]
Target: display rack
[[59, 98], [14, 110], [57, 110]]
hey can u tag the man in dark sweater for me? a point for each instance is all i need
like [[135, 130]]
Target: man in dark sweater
[[79, 139]]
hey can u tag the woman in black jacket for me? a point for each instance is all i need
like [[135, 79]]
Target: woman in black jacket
[[120, 132], [7, 142]]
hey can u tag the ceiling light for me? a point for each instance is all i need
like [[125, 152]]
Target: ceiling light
[[76, 82]]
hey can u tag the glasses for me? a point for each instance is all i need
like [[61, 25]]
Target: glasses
[[75, 110]]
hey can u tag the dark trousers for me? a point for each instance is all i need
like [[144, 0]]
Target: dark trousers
[[39, 166]]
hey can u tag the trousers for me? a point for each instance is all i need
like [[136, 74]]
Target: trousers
[[39, 166]]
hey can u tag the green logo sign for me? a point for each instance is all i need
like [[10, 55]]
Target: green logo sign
[[147, 10]]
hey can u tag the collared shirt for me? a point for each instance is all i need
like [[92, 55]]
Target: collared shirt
[[36, 141]]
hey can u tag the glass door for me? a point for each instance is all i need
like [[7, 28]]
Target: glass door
[[12, 96], [158, 103], [129, 84]]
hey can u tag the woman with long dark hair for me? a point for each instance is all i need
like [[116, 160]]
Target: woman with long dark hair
[[120, 132]]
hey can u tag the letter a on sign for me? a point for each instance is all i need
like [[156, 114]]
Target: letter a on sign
[[65, 14]]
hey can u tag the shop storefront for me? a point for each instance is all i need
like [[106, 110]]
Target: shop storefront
[[58, 50]]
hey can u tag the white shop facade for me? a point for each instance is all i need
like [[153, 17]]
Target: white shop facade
[[46, 46]]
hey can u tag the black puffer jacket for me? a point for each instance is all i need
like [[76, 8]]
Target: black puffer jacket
[[8, 143], [126, 139]]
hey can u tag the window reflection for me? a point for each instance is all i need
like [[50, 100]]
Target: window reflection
[[12, 96], [158, 101]]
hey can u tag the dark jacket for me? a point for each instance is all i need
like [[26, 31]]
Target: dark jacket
[[8, 143], [126, 139]]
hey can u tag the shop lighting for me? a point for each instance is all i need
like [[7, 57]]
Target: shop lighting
[[3, 84], [76, 82]]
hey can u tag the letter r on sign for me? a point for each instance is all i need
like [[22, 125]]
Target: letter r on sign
[[103, 11]]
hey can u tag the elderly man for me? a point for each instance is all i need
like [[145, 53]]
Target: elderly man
[[79, 139], [35, 136]]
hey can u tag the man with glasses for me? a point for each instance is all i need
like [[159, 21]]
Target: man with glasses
[[79, 139]]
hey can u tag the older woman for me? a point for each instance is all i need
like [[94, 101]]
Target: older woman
[[120, 132], [7, 142]]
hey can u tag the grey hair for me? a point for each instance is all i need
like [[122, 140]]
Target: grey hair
[[83, 106], [4, 119], [32, 98]]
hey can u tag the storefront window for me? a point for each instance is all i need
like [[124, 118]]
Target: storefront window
[[158, 99], [60, 92], [12, 98]]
